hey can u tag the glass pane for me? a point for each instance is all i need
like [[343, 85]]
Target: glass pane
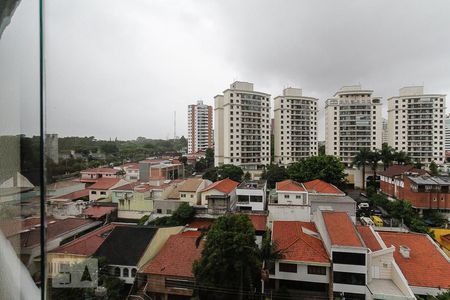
[[20, 156]]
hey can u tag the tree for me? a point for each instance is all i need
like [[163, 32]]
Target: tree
[[183, 160], [211, 174], [200, 165], [322, 150], [247, 176], [230, 171], [180, 217], [209, 155], [418, 164], [402, 158], [230, 259], [361, 160], [326, 167], [374, 158], [434, 169], [387, 155], [274, 174], [109, 148]]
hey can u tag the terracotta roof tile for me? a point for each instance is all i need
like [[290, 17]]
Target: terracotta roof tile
[[98, 211], [296, 243], [74, 196], [201, 223], [397, 170], [87, 244], [259, 222], [176, 256], [341, 230], [426, 266], [190, 185], [225, 186], [104, 183], [368, 238], [321, 187], [100, 170], [289, 186]]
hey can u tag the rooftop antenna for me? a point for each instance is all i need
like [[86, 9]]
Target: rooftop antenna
[[174, 124]]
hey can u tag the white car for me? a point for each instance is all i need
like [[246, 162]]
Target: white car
[[363, 205]]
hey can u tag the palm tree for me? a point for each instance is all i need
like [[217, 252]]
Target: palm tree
[[387, 155], [374, 158], [361, 160], [402, 158]]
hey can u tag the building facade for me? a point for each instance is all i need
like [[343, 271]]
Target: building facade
[[352, 122], [447, 134], [200, 127], [416, 124], [242, 127], [295, 126]]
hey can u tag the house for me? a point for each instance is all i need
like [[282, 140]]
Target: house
[[219, 197], [189, 190], [324, 194], [424, 265], [252, 195], [77, 250], [417, 187], [58, 232], [131, 171], [363, 267], [442, 237], [67, 205], [63, 187], [293, 201], [124, 191], [169, 273], [290, 202], [101, 211], [102, 189], [304, 268], [156, 171], [127, 249], [138, 204], [92, 175]]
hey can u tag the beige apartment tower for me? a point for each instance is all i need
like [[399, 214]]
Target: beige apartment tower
[[352, 122], [295, 125], [242, 127], [200, 127], [416, 124]]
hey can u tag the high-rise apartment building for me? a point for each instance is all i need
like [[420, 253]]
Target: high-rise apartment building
[[242, 127], [385, 133], [352, 122], [447, 134], [200, 127], [416, 124], [295, 131]]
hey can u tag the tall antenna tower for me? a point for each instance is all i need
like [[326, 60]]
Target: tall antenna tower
[[174, 124]]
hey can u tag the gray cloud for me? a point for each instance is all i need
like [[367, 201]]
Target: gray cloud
[[120, 68]]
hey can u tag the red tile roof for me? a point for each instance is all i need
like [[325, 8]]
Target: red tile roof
[[225, 186], [322, 187], [126, 187], [100, 170], [397, 170], [55, 228], [201, 223], [87, 244], [368, 238], [98, 211], [74, 196], [259, 222], [426, 266], [289, 186], [296, 245], [341, 230], [176, 256], [104, 183]]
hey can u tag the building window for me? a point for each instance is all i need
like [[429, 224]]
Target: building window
[[286, 196], [117, 271], [316, 270], [133, 272], [93, 192], [125, 272], [102, 193], [349, 278], [159, 210], [289, 268], [349, 258]]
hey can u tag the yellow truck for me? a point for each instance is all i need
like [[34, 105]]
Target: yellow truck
[[377, 221]]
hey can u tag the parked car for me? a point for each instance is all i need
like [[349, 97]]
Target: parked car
[[363, 205]]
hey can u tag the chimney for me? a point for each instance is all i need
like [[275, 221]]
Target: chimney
[[405, 251]]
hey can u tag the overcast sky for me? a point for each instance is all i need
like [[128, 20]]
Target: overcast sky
[[121, 68]]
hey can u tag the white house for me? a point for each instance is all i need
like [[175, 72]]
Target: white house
[[252, 195]]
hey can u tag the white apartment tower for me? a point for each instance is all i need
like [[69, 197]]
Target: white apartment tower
[[200, 127], [242, 127], [295, 131], [352, 122], [416, 124]]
